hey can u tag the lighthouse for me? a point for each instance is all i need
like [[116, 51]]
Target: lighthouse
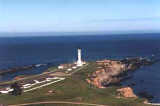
[[79, 61]]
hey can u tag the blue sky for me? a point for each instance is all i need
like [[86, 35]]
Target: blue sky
[[79, 15]]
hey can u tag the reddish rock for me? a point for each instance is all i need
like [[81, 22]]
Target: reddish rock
[[19, 77], [89, 81], [113, 71], [105, 76], [126, 92], [50, 91]]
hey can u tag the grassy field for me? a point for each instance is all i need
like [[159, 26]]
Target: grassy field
[[74, 88]]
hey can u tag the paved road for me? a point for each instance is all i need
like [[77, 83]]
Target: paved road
[[54, 81], [59, 102], [44, 85]]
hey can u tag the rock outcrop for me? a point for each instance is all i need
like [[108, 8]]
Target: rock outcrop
[[21, 68], [19, 77], [126, 92], [146, 95], [113, 71]]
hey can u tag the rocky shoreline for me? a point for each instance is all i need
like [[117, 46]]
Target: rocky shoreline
[[113, 71], [110, 72], [21, 68]]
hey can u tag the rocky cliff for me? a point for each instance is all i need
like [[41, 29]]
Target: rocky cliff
[[113, 71]]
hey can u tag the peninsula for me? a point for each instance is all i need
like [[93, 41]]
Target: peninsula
[[80, 82]]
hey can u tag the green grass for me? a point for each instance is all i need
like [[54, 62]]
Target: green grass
[[52, 69], [56, 105], [74, 88]]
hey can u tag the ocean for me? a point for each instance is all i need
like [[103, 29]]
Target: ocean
[[23, 51]]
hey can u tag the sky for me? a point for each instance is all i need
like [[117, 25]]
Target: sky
[[79, 15]]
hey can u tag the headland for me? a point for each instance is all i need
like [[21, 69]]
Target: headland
[[79, 83]]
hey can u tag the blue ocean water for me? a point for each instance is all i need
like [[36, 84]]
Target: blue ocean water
[[22, 51]]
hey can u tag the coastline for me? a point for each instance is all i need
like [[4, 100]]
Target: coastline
[[53, 70]]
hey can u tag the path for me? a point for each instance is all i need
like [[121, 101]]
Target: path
[[59, 102], [60, 79]]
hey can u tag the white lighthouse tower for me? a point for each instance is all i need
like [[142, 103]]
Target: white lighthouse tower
[[79, 61]]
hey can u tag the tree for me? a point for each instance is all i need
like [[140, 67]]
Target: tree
[[16, 89]]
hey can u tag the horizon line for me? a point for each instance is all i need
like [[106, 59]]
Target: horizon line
[[37, 34]]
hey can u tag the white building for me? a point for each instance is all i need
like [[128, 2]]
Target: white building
[[36, 81], [74, 67], [60, 67], [6, 90], [69, 69], [27, 85]]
